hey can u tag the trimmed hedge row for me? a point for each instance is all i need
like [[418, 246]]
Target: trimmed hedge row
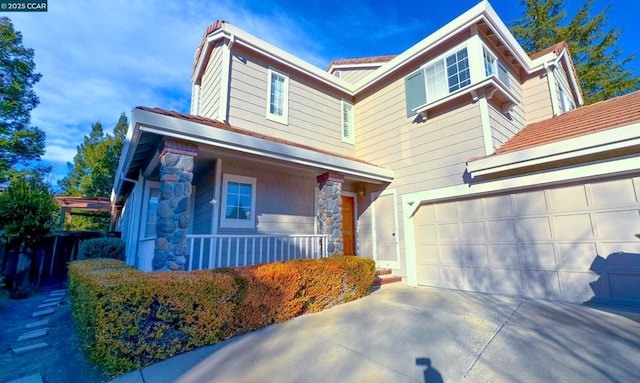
[[127, 319]]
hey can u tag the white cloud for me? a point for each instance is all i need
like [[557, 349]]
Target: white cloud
[[101, 58]]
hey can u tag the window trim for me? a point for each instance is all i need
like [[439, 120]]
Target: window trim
[[236, 223], [148, 186], [351, 137], [284, 118], [497, 67]]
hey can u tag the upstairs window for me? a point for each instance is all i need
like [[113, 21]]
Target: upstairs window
[[348, 124], [458, 70], [278, 96], [238, 200], [437, 80], [494, 67]]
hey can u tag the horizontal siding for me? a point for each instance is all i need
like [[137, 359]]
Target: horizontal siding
[[354, 75], [285, 202], [537, 100], [505, 125], [424, 155], [314, 113], [210, 86]]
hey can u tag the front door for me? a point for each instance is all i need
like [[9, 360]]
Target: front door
[[385, 227], [348, 227]]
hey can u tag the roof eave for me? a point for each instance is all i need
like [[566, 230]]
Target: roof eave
[[590, 144], [481, 12], [151, 122]]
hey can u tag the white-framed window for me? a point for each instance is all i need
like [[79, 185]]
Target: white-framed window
[[437, 79], [238, 202], [277, 96], [150, 209], [150, 214], [458, 74], [493, 66], [348, 123]]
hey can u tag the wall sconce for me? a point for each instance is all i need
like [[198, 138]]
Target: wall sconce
[[361, 193]]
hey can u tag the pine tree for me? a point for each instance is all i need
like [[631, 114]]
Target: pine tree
[[20, 143], [93, 170], [601, 72]]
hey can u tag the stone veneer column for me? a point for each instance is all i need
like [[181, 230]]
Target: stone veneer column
[[176, 174], [329, 212]]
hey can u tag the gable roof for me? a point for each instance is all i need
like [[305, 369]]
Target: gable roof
[[210, 29], [601, 116], [481, 14], [557, 49]]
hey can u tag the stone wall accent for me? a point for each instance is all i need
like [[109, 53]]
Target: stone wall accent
[[176, 174], [329, 212]]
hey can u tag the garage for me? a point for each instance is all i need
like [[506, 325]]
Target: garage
[[575, 242]]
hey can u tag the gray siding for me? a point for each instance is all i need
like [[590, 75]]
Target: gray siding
[[314, 112], [424, 155], [284, 200], [210, 86]]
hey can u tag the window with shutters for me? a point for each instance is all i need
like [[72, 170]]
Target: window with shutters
[[348, 123], [437, 80], [277, 96]]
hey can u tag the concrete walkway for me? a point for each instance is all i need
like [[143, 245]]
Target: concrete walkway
[[403, 334]]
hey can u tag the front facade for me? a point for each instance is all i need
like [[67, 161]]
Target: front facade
[[423, 161]]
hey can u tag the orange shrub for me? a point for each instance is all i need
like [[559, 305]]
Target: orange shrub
[[127, 319]]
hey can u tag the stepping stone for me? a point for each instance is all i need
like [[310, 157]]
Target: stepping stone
[[50, 304], [57, 294], [39, 323], [53, 300], [22, 350], [62, 291], [42, 313], [33, 334], [35, 378]]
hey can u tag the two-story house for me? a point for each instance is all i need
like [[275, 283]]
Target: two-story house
[[461, 162]]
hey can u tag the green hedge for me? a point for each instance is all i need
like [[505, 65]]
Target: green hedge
[[127, 319], [103, 248]]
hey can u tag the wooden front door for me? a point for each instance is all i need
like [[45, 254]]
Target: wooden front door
[[348, 226]]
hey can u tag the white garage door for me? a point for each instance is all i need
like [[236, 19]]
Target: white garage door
[[577, 243]]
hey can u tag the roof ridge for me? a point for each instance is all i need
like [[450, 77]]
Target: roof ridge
[[362, 60]]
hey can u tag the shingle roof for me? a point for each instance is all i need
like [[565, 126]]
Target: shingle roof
[[362, 60], [604, 115], [222, 125]]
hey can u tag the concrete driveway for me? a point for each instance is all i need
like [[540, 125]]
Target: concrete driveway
[[404, 334]]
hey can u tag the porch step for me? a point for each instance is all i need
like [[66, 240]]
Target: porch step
[[385, 279], [383, 272]]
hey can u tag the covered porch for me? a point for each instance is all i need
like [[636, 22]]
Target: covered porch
[[195, 193]]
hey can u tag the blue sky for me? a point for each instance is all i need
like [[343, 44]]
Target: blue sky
[[101, 58]]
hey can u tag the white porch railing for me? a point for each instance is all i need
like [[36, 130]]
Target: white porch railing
[[212, 251]]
